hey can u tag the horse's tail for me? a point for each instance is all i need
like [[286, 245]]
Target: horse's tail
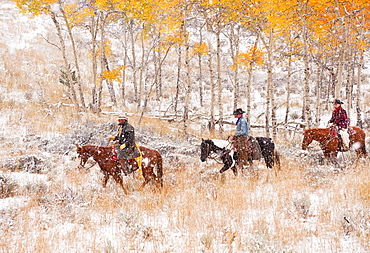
[[160, 168], [277, 159], [363, 149]]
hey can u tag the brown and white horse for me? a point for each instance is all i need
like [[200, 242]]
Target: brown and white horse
[[329, 141], [105, 157]]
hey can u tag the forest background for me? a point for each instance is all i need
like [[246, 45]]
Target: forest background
[[191, 60]]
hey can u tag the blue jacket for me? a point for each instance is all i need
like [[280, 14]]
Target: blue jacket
[[241, 127]]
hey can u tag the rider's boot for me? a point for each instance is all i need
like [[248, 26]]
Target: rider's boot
[[122, 166], [340, 143], [342, 146]]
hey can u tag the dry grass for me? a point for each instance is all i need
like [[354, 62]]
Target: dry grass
[[303, 209], [196, 211]]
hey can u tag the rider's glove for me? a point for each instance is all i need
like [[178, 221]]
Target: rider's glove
[[122, 146], [111, 138]]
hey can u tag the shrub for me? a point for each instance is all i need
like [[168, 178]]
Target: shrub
[[8, 187]]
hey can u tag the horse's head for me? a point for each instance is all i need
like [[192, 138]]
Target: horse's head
[[205, 149], [82, 154], [307, 139]]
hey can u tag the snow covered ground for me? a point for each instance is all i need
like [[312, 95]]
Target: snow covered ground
[[48, 205]]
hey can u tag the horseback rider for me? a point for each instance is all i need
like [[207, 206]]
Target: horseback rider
[[126, 149], [241, 137], [340, 121]]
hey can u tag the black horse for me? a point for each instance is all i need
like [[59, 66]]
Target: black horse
[[224, 151], [269, 153]]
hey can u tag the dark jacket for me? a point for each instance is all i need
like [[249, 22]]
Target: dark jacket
[[339, 118], [126, 135]]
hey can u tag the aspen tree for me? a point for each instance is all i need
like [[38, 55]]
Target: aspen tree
[[71, 16], [44, 7]]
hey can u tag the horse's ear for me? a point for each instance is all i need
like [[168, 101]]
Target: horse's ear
[[78, 146]]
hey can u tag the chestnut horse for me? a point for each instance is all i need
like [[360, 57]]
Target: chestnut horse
[[106, 159], [329, 141]]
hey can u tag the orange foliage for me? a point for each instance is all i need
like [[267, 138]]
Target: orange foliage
[[251, 56], [199, 49], [114, 74]]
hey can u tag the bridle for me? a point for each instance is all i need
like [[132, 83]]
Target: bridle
[[83, 165], [211, 154], [90, 166]]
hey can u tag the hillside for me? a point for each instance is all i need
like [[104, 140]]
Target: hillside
[[47, 204]]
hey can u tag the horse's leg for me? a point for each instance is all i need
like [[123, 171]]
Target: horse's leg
[[148, 173], [363, 148], [105, 180], [227, 160], [249, 156], [143, 185], [224, 168], [275, 168], [159, 168], [117, 177], [277, 160], [250, 163], [235, 157], [361, 152], [235, 170], [333, 158], [268, 154], [251, 166]]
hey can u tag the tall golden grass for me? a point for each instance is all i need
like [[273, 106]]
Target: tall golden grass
[[197, 210]]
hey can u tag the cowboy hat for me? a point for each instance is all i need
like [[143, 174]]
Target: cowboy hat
[[122, 116], [337, 101], [238, 111]]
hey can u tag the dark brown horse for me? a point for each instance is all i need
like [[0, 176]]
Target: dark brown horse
[[329, 141], [105, 157]]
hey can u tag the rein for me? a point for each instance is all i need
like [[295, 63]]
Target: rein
[[91, 166], [216, 157]]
